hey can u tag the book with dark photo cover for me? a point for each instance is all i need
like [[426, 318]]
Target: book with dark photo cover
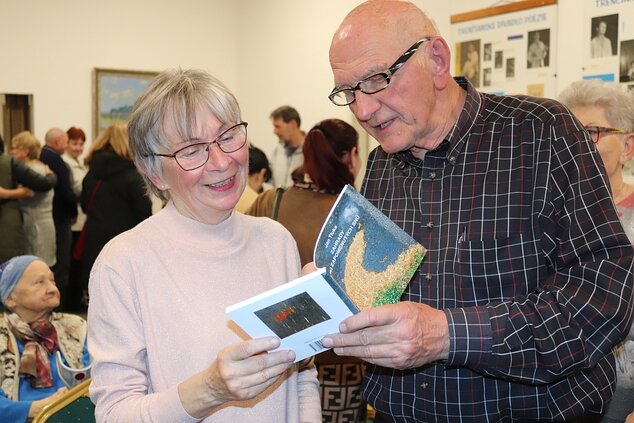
[[363, 259]]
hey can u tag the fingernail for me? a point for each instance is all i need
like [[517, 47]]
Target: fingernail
[[291, 355], [342, 327], [327, 342]]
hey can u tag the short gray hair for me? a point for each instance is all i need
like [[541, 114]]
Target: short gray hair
[[172, 100], [617, 103]]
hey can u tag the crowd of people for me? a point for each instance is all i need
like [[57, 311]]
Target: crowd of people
[[521, 310]]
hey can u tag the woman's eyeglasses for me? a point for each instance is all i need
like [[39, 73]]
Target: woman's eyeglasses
[[596, 132], [196, 155]]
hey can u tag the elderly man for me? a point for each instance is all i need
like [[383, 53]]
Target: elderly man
[[64, 205], [527, 282], [30, 335]]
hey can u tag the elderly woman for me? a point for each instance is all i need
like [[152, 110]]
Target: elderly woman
[[30, 335], [162, 346], [607, 113]]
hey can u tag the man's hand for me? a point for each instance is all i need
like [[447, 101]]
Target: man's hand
[[400, 336]]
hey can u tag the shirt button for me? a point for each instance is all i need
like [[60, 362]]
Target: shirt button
[[428, 276], [424, 385], [452, 160], [430, 225], [432, 175]]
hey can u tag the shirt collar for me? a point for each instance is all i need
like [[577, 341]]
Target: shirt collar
[[453, 143]]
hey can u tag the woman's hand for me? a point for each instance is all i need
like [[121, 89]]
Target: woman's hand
[[37, 406], [240, 372]]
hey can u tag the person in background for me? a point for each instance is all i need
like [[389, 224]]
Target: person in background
[[113, 196], [287, 155], [37, 210], [64, 207], [17, 181], [32, 333], [163, 349], [72, 157], [331, 160], [259, 174], [607, 113], [527, 283]]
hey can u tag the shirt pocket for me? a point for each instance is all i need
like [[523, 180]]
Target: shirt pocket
[[495, 270]]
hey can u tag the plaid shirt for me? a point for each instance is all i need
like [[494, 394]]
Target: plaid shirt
[[527, 257]]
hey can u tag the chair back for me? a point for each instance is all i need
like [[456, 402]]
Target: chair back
[[73, 406]]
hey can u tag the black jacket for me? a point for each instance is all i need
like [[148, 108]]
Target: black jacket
[[120, 202]]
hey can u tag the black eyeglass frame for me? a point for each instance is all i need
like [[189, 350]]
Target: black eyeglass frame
[[387, 74], [603, 130], [208, 144]]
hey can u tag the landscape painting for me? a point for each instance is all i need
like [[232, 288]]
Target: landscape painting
[[115, 93]]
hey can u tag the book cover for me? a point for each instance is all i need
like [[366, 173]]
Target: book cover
[[364, 260], [299, 312], [371, 256], [71, 376]]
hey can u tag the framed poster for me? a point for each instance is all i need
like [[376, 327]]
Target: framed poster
[[518, 43], [114, 94]]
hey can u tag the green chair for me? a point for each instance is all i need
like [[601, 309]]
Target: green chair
[[73, 406]]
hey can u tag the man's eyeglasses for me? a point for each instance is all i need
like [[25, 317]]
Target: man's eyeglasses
[[596, 132], [373, 83], [196, 155]]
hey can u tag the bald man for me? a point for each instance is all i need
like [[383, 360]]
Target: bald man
[[64, 207], [527, 282]]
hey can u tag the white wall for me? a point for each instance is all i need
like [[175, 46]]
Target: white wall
[[269, 52]]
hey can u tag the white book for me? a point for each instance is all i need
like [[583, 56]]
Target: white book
[[363, 259]]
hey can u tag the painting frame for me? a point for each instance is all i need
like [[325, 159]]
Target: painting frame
[[114, 93]]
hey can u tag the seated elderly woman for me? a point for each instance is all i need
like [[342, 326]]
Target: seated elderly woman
[[30, 335], [607, 113], [163, 348]]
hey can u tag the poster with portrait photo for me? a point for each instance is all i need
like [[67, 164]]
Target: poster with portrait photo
[[468, 61], [626, 61], [510, 67], [499, 59], [538, 48], [604, 36], [486, 55]]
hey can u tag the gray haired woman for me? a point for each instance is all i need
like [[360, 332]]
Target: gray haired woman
[[162, 347]]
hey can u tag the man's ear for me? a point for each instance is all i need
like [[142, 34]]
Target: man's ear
[[628, 149], [441, 60]]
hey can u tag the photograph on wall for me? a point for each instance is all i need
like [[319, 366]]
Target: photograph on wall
[[538, 47], [486, 77], [468, 61], [626, 61], [486, 55], [604, 41], [510, 67], [499, 59]]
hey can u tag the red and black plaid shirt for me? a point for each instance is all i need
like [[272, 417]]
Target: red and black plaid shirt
[[527, 257]]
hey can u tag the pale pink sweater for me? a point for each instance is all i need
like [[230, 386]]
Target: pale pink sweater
[[157, 316]]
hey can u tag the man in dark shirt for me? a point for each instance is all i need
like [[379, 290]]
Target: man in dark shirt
[[64, 206], [527, 283]]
